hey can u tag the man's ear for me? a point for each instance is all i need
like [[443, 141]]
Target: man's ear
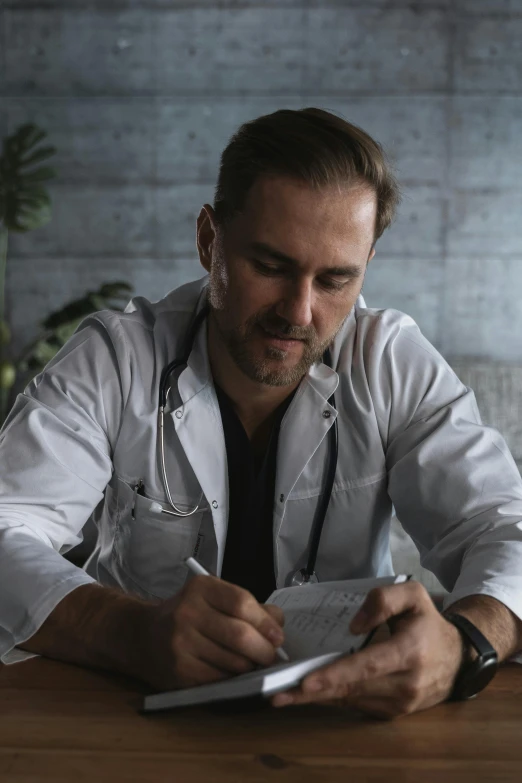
[[372, 253], [205, 235]]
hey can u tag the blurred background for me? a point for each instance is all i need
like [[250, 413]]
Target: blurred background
[[140, 97]]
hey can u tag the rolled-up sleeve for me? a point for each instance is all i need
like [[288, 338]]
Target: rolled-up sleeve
[[55, 457], [453, 482]]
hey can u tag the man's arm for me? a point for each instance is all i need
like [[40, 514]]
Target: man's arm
[[209, 631], [98, 627], [500, 626], [55, 452]]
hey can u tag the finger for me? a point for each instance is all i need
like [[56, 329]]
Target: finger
[[276, 612], [382, 603], [372, 663], [237, 636], [388, 697], [240, 604], [389, 689], [219, 657], [190, 671]]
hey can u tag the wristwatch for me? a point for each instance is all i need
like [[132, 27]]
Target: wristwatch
[[475, 674]]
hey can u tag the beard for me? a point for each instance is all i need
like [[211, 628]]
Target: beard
[[243, 342]]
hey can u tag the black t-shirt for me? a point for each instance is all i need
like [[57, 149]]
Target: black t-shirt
[[249, 552]]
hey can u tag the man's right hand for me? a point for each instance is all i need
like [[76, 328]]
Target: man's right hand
[[210, 631]]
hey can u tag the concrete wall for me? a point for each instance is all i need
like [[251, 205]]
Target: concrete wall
[[141, 96]]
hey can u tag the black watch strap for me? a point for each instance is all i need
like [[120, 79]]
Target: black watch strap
[[474, 675]]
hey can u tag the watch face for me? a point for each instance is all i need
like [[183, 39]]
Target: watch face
[[476, 678]]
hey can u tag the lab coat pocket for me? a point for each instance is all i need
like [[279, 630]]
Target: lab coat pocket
[[150, 549]]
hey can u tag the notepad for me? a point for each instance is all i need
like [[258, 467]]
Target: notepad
[[317, 632]]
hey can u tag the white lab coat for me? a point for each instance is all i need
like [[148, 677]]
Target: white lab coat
[[85, 431]]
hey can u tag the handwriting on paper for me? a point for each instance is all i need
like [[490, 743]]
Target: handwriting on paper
[[318, 622]]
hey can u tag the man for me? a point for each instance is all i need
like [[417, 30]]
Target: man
[[301, 199]]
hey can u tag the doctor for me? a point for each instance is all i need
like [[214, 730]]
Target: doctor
[[302, 198]]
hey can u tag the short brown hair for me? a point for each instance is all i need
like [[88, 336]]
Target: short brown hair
[[312, 145]]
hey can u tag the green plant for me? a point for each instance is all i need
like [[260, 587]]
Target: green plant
[[60, 325], [25, 205]]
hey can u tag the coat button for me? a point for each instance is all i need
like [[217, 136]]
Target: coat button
[[214, 504], [326, 414], [179, 414]]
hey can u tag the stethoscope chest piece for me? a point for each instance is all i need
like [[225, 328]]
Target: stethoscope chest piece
[[302, 577]]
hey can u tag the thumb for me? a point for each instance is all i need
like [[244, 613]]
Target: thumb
[[383, 603]]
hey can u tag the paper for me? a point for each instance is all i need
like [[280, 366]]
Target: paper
[[281, 679], [318, 622], [318, 616]]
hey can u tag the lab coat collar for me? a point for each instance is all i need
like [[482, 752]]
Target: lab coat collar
[[197, 374], [322, 379], [197, 421], [304, 426]]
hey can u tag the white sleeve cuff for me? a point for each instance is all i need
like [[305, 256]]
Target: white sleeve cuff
[[37, 616]]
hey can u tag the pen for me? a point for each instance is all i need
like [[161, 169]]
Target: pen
[[197, 568]]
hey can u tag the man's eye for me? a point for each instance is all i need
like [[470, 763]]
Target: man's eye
[[333, 285], [267, 269]]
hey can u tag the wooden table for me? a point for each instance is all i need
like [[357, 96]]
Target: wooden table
[[64, 723]]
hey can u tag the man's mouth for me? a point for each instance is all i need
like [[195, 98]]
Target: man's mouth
[[283, 336], [281, 339]]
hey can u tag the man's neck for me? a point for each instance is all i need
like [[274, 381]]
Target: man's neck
[[254, 403]]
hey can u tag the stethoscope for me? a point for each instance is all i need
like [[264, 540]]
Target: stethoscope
[[305, 575]]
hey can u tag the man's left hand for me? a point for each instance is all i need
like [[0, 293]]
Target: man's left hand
[[412, 670]]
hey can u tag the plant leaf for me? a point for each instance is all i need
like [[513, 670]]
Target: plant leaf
[[39, 175], [41, 154], [28, 220], [75, 310], [98, 302], [43, 351], [35, 199], [28, 135], [117, 290], [102, 299], [24, 202], [5, 333], [59, 326], [66, 330]]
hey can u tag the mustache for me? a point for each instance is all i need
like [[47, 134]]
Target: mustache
[[273, 323]]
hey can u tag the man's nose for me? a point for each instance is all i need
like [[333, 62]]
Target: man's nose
[[295, 305]]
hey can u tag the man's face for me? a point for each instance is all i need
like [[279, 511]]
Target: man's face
[[286, 272]]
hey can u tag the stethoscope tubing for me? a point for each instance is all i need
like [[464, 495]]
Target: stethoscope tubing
[[324, 499], [303, 575], [164, 392]]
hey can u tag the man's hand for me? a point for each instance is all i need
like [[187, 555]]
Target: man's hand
[[210, 631], [412, 670]]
